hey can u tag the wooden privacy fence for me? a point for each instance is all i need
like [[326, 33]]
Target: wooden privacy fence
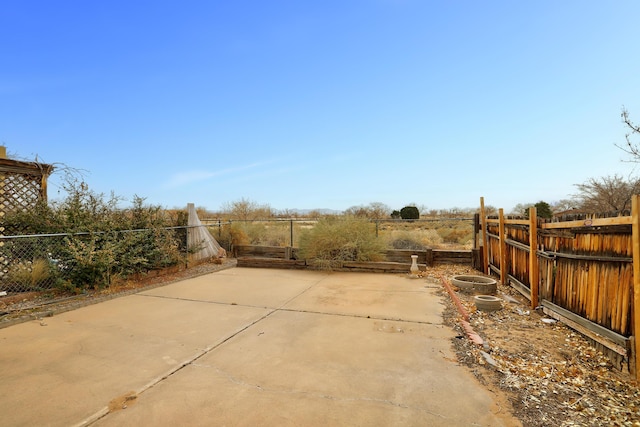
[[585, 273]]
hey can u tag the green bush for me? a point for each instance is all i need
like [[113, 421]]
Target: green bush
[[409, 212], [333, 241], [103, 240]]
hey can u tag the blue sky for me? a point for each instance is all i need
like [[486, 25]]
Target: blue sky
[[323, 104]]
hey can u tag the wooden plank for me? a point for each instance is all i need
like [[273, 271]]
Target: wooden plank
[[609, 339], [396, 267], [257, 262], [448, 253], [533, 257], [520, 287], [477, 258], [516, 221], [588, 257], [485, 256], [503, 249], [618, 220], [635, 306], [404, 255], [261, 251]]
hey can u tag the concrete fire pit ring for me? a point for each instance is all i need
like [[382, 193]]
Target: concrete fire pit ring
[[487, 302], [475, 284]]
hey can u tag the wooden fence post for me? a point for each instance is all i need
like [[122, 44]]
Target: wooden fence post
[[485, 247], [533, 257], [503, 249], [635, 311]]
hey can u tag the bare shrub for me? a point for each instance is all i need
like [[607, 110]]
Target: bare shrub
[[416, 239], [333, 241], [455, 235]]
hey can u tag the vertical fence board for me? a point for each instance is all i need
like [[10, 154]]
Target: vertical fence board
[[635, 313], [503, 249], [485, 244], [533, 257]]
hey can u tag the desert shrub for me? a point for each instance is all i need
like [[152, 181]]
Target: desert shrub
[[407, 242], [334, 240], [416, 239], [31, 275], [233, 234], [455, 235]]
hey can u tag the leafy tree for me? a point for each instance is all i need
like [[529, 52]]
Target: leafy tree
[[543, 210], [607, 194], [396, 214], [410, 212]]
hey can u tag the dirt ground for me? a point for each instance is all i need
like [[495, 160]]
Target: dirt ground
[[549, 374], [544, 373]]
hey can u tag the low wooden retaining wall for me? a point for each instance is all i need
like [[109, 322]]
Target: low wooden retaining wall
[[397, 260]]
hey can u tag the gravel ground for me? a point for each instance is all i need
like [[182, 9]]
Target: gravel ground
[[551, 375], [545, 373]]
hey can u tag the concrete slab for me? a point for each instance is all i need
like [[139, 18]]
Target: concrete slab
[[62, 373], [390, 296], [243, 286], [296, 368], [245, 347]]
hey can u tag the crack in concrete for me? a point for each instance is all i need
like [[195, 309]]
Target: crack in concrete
[[106, 410], [193, 360], [292, 310]]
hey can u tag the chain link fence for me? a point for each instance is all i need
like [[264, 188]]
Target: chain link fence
[[35, 263]]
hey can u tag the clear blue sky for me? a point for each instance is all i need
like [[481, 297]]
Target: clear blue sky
[[322, 104]]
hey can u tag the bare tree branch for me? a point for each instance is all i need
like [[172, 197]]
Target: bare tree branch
[[630, 147]]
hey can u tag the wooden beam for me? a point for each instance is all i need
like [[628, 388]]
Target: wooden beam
[[618, 344], [516, 221], [503, 249], [617, 220], [635, 311], [533, 257], [485, 247], [43, 188]]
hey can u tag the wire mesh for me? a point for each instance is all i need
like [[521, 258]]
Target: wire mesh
[[34, 263]]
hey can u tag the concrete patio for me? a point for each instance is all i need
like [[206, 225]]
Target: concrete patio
[[246, 347]]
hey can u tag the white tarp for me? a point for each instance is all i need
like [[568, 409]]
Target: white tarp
[[201, 244]]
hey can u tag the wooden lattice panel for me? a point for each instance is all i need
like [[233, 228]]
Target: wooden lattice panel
[[22, 185], [19, 192]]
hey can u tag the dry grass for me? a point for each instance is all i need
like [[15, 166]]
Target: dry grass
[[439, 234], [29, 275]]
